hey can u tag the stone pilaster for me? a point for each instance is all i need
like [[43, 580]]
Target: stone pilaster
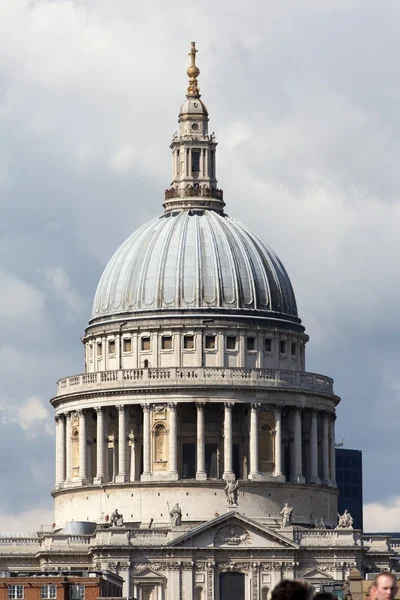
[[325, 448], [173, 441], [132, 471], [146, 475], [254, 446], [278, 472], [68, 447], [201, 457], [100, 446], [121, 477], [228, 472], [314, 449], [298, 447], [82, 446]]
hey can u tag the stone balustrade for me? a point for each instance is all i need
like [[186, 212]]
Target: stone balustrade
[[194, 191], [328, 537], [195, 377]]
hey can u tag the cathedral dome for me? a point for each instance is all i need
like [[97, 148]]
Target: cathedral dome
[[191, 260]]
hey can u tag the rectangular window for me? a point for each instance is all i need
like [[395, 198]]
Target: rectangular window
[[127, 345], [145, 344], [90, 351], [195, 161], [282, 346], [99, 349], [210, 342], [77, 592], [48, 591], [16, 592], [294, 349], [267, 345], [111, 346], [231, 342], [301, 351], [251, 344], [166, 342], [188, 342]]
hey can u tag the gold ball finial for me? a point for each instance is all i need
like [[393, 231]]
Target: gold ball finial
[[193, 73]]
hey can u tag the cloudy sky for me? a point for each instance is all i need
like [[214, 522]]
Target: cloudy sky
[[304, 98]]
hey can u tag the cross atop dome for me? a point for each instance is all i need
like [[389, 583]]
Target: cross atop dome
[[194, 178], [193, 73]]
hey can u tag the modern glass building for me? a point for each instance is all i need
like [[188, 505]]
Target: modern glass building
[[349, 483]]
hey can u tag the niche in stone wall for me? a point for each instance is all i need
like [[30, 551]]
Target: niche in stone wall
[[160, 446], [265, 437], [75, 452]]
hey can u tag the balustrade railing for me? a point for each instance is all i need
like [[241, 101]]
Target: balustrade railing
[[200, 376], [194, 191]]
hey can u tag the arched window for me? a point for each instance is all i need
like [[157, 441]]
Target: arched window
[[160, 443], [198, 593], [264, 593], [146, 364]]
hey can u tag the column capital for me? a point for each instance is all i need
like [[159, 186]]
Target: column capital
[[228, 405], [200, 405], [255, 405], [146, 408], [81, 412], [120, 407], [172, 405], [99, 409]]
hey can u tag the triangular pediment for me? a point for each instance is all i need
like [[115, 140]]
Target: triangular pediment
[[146, 573], [232, 531], [315, 574]]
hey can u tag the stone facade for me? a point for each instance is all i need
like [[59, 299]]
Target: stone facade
[[194, 421]]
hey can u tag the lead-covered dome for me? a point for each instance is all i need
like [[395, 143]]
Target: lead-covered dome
[[189, 260]]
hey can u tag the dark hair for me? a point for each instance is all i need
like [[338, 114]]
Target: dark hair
[[290, 590], [324, 596]]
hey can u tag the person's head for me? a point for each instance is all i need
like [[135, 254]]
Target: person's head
[[324, 596], [291, 590], [384, 586]]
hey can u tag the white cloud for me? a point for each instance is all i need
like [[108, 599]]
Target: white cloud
[[31, 415], [60, 284], [33, 520], [384, 517]]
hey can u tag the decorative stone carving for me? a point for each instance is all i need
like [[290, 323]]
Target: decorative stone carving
[[176, 515], [116, 519], [231, 490], [231, 535], [345, 520], [286, 514]]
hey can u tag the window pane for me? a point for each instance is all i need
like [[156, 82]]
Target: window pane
[[111, 347], [251, 343], [195, 161], [145, 343], [188, 342], [283, 346], [99, 348], [166, 342], [231, 342], [127, 345], [294, 348], [267, 345], [210, 342]]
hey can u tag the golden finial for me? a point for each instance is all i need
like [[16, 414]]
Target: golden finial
[[193, 73]]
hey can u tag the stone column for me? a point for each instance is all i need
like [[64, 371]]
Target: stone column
[[254, 452], [82, 446], [228, 472], [298, 447], [201, 446], [278, 445], [100, 446], [68, 447], [132, 472], [146, 475], [325, 448], [333, 452], [60, 449], [121, 477], [314, 449], [173, 441]]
